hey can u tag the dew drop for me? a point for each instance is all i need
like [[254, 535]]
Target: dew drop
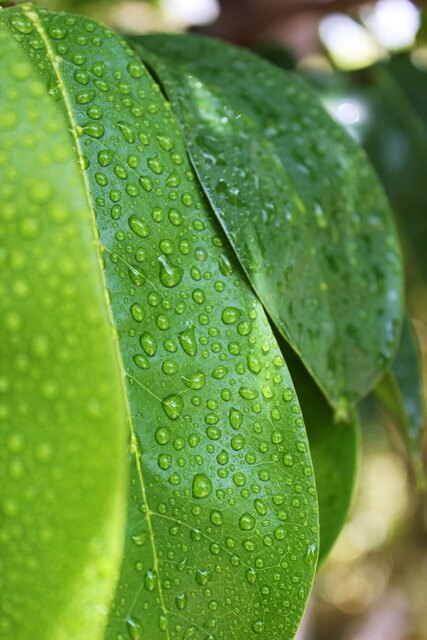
[[216, 518], [165, 142], [150, 580], [155, 165], [230, 315], [170, 276], [57, 33], [162, 435], [137, 312], [94, 129], [169, 367], [139, 227], [236, 418], [251, 576], [288, 394], [254, 363], [187, 341], [85, 96], [225, 265], [260, 507], [197, 381], [134, 628], [202, 486], [135, 69], [148, 343], [141, 361], [164, 461], [22, 24], [181, 601], [105, 157], [288, 460], [126, 131], [246, 522], [258, 626], [202, 577], [173, 406]]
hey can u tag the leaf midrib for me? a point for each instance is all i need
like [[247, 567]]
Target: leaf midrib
[[134, 449]]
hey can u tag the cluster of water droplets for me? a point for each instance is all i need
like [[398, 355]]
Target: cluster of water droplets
[[58, 370], [318, 242], [222, 521]]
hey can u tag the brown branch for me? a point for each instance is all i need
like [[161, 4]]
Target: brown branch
[[243, 22]]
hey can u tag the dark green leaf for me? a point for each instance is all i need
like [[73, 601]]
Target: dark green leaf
[[277, 54], [391, 102], [222, 531], [62, 415], [401, 394], [396, 140], [301, 206], [334, 447]]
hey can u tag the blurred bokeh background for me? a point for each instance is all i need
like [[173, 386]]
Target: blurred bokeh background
[[368, 63]]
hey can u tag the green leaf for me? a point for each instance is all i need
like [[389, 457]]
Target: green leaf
[[62, 416], [398, 100], [334, 448], [299, 203], [276, 53], [391, 99], [400, 392], [222, 532]]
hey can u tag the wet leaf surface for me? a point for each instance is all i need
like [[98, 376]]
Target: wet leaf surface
[[335, 451], [304, 212], [62, 415], [222, 522]]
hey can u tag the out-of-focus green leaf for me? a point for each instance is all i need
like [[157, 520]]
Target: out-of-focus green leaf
[[62, 415], [401, 394], [389, 103], [391, 99], [302, 208], [222, 530], [334, 447], [396, 141], [277, 54]]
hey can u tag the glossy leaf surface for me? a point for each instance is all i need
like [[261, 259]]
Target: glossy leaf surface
[[62, 416], [303, 210], [222, 522]]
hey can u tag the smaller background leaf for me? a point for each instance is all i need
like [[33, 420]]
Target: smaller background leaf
[[400, 392], [334, 448]]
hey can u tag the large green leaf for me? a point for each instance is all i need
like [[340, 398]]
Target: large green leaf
[[222, 526], [62, 416], [300, 204], [400, 392], [334, 447]]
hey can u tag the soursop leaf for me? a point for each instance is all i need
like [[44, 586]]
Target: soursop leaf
[[299, 202], [62, 413], [400, 392], [222, 533]]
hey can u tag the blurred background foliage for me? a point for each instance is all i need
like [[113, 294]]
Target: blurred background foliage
[[368, 64]]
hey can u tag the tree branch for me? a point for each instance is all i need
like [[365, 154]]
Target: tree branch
[[244, 21]]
